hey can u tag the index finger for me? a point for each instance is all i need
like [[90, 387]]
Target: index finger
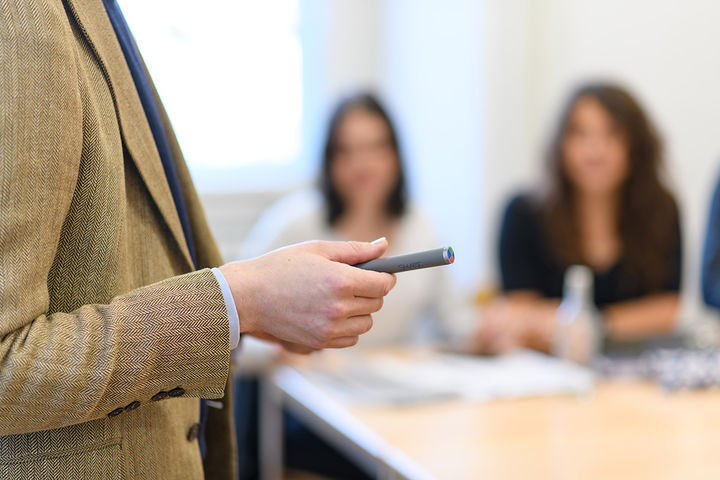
[[371, 284]]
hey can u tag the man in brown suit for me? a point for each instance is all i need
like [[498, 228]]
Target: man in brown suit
[[112, 323]]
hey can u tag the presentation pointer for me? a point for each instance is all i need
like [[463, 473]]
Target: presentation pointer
[[411, 261]]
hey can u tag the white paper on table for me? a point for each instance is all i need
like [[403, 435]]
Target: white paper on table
[[393, 380]]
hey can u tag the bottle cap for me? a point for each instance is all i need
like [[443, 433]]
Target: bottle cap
[[578, 279]]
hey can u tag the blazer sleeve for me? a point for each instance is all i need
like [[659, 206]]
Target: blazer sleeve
[[63, 368]]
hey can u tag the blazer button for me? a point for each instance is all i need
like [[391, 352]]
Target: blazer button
[[177, 392], [159, 396], [132, 406], [193, 433], [116, 412]]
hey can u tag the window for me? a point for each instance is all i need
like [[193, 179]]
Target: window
[[230, 76]]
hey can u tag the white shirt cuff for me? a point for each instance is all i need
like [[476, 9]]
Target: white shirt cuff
[[230, 306]]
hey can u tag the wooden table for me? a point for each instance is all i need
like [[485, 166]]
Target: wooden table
[[624, 430]]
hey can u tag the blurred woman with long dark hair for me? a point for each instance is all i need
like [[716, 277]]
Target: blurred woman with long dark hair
[[362, 195], [604, 206]]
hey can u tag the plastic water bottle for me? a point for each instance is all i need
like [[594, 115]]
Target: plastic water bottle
[[577, 331]]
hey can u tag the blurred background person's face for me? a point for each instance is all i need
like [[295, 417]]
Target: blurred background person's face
[[595, 152], [364, 169]]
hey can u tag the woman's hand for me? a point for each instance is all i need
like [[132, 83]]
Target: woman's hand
[[518, 320]]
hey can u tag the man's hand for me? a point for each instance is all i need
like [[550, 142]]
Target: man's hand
[[308, 294]]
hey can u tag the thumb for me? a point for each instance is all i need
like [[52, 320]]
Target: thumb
[[354, 252]]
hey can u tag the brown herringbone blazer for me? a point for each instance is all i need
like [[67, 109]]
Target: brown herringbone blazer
[[99, 308]]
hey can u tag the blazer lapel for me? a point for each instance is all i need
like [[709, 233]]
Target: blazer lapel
[[95, 26]]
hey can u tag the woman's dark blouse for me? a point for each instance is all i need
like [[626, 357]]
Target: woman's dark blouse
[[527, 262]]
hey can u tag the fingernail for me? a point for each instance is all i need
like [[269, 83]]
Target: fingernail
[[377, 240]]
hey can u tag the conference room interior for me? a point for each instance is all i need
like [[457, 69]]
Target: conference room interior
[[475, 92]]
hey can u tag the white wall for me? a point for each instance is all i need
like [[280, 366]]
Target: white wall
[[433, 80], [508, 160]]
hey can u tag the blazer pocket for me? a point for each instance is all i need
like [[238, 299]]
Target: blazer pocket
[[87, 450], [99, 462]]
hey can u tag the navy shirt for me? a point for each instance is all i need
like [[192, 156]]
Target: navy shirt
[[145, 92], [527, 261]]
